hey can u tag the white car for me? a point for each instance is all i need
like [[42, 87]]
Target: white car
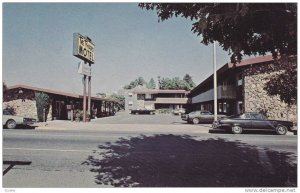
[[11, 121]]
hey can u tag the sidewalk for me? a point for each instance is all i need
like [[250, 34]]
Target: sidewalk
[[92, 126]]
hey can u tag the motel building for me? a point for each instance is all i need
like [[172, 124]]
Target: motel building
[[240, 88], [21, 98], [141, 97]]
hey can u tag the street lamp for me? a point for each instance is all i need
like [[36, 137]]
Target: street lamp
[[215, 82]]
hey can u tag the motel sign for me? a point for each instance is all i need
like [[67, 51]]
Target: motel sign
[[83, 48]]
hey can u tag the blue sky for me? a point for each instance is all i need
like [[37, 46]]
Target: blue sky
[[130, 42]]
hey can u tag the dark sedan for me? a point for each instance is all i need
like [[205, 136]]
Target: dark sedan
[[197, 117], [252, 121]]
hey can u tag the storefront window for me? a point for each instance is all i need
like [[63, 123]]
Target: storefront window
[[220, 107], [225, 107]]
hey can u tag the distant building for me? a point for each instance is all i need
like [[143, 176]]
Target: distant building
[[154, 99], [241, 89], [21, 98]]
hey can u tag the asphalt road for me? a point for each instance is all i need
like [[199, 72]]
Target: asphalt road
[[149, 159]]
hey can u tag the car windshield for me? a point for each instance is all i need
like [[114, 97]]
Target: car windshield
[[206, 113]]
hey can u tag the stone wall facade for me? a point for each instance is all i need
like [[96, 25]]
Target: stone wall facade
[[22, 103], [256, 98]]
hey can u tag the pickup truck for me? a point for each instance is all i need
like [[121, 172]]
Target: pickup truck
[[11, 121], [142, 111]]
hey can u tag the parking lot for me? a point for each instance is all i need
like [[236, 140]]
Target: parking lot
[[126, 118]]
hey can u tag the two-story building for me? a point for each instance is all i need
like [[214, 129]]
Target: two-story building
[[154, 99], [240, 88]]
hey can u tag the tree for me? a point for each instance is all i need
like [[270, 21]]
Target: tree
[[135, 83], [42, 105], [188, 79], [4, 87], [284, 84], [121, 100], [151, 84], [101, 94], [174, 84], [244, 29], [240, 28]]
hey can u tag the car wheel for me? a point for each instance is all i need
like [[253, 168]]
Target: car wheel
[[196, 121], [281, 130], [237, 129], [11, 124]]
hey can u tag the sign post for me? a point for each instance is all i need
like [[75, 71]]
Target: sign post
[[84, 49]]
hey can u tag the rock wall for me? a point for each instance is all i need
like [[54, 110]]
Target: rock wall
[[25, 108], [256, 98], [22, 103]]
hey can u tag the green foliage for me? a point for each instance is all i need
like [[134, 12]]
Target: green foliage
[[135, 83], [285, 84], [151, 84], [177, 84], [240, 28], [165, 83], [244, 29], [100, 94], [4, 87], [121, 101], [187, 78], [42, 102]]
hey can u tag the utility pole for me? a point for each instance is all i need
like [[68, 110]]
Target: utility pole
[[215, 83]]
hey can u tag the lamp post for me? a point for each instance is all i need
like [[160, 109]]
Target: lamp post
[[215, 83]]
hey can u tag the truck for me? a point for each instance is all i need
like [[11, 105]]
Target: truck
[[142, 111]]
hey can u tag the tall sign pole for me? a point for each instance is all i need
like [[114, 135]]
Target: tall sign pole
[[84, 48], [215, 84], [89, 91], [84, 98]]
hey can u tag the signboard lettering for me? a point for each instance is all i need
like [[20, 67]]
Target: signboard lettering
[[83, 48]]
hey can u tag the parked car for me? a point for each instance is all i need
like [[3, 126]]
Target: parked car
[[252, 121], [197, 117], [142, 111], [179, 111], [11, 121]]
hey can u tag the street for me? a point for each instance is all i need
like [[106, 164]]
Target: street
[[132, 156]]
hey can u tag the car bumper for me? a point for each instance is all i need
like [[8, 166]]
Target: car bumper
[[29, 122], [217, 125]]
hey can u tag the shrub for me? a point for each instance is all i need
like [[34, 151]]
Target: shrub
[[42, 102]]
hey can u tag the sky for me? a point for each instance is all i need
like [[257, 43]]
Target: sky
[[130, 43]]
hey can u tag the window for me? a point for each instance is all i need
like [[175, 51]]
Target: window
[[224, 87], [245, 116], [240, 79], [220, 107], [130, 94], [148, 96], [140, 97], [202, 108], [130, 103], [258, 116], [225, 107], [206, 113]]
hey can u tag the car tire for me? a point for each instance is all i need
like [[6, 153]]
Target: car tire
[[196, 121], [236, 129], [11, 124], [281, 130]]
